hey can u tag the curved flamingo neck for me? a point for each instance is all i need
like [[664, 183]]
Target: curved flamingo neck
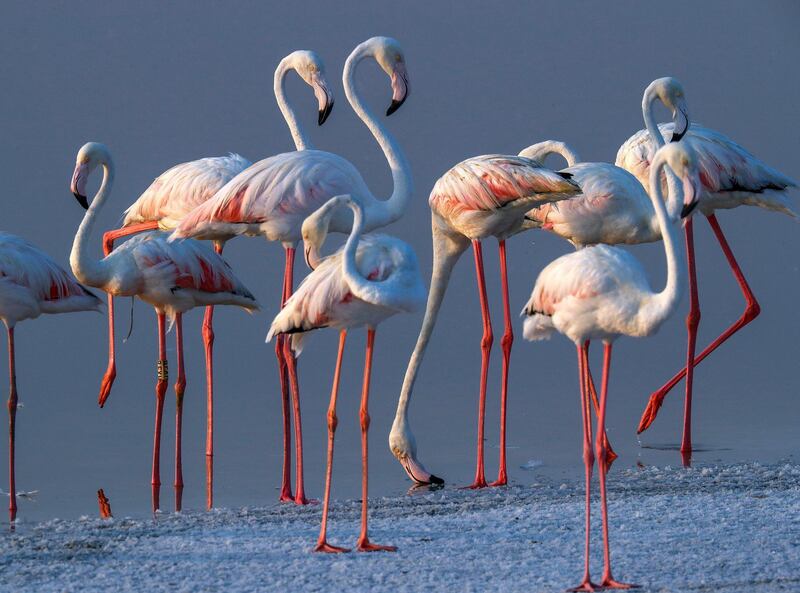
[[650, 123], [301, 140], [87, 269], [379, 212], [541, 150]]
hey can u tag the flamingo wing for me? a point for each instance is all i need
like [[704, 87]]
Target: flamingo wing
[[182, 188]]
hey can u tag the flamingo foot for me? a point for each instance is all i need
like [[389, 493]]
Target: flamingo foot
[[286, 496], [586, 585], [609, 583], [327, 548], [477, 484], [105, 387], [502, 480], [650, 412], [302, 500], [364, 545], [611, 456]]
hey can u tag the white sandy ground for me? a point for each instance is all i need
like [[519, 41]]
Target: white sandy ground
[[727, 528]]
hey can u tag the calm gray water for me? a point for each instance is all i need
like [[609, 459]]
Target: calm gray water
[[162, 84]]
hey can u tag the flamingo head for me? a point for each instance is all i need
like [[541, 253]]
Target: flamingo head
[[404, 448], [670, 92], [311, 68], [89, 156], [315, 228], [682, 160], [390, 58]]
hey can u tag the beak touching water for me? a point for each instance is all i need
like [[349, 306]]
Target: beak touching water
[[418, 473], [78, 184], [399, 87]]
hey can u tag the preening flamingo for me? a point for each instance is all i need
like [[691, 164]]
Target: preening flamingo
[[174, 278], [372, 278], [602, 292], [272, 198], [31, 283], [484, 196], [730, 177], [179, 190]]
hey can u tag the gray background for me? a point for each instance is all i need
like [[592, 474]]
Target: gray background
[[163, 83]]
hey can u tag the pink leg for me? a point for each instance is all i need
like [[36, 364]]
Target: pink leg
[[364, 545], [161, 390], [505, 342], [180, 388], [286, 475], [486, 346], [208, 343], [588, 462], [12, 416], [610, 455], [333, 421], [752, 310], [608, 581]]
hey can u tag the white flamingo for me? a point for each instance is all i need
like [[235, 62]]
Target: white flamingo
[[273, 197], [372, 278], [31, 283], [602, 292], [174, 278], [481, 197], [730, 177], [180, 189]]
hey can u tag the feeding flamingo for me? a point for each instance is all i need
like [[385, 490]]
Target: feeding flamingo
[[730, 177], [602, 292], [372, 278], [31, 283], [174, 278], [484, 196], [272, 198], [179, 190]]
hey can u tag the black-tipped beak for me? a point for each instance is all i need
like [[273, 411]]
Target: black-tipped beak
[[688, 208], [306, 254], [436, 480], [81, 200], [677, 135], [324, 113], [395, 106]]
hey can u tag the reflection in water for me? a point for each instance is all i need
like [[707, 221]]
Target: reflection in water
[[424, 488], [155, 496], [104, 504], [178, 498]]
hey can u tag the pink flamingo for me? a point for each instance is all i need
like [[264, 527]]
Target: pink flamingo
[[179, 190], [272, 198], [31, 283], [372, 278], [484, 196], [174, 278], [731, 177], [602, 292]]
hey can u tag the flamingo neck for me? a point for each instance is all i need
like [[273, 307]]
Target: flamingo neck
[[673, 202], [87, 269], [301, 140], [541, 150], [379, 212], [648, 99]]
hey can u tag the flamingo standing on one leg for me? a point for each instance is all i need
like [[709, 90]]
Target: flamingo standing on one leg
[[179, 190], [602, 292], [731, 177], [372, 278], [484, 196], [174, 278], [273, 197], [31, 283]]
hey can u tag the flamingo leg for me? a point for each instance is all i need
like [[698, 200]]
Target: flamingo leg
[[291, 371], [180, 388], [364, 545], [608, 581], [286, 475], [506, 342], [108, 246], [333, 421], [486, 346], [588, 461], [161, 390], [12, 416], [610, 455], [752, 310], [208, 343]]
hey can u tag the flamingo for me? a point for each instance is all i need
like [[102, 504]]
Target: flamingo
[[174, 278], [180, 189], [602, 292], [372, 278], [272, 198], [730, 177], [31, 283], [483, 196]]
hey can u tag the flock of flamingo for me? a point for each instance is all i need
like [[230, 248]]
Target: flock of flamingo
[[663, 175]]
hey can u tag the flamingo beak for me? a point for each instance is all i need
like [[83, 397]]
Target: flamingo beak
[[307, 256], [418, 473], [324, 97], [78, 184], [691, 193], [681, 123], [400, 88]]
